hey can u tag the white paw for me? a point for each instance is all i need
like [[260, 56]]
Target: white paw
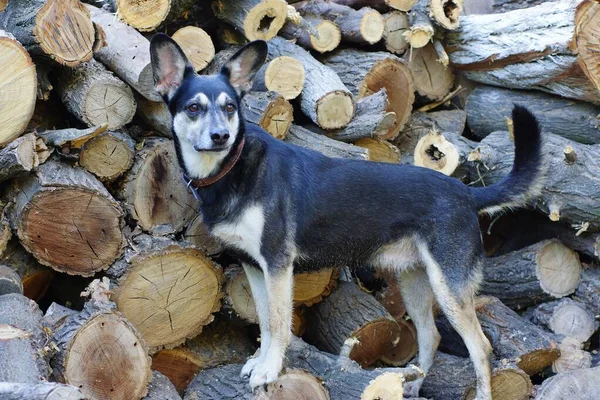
[[250, 365], [264, 373], [411, 389]]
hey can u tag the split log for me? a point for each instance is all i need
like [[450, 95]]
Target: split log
[[453, 377], [61, 30], [35, 278], [197, 234], [502, 6], [511, 337], [257, 19], [10, 281], [101, 353], [350, 313], [127, 53], [581, 384], [160, 388], [39, 391], [147, 15], [488, 108], [196, 44], [421, 26], [19, 157], [22, 341], [364, 26], [532, 275], [329, 37], [378, 70], [432, 79], [302, 137], [270, 110], [221, 342], [324, 99], [563, 195], [395, 24], [155, 195], [71, 137], [567, 317], [284, 75], [18, 85], [380, 150], [572, 357], [444, 152], [588, 290], [95, 96], [550, 47], [108, 156], [67, 219], [156, 115]]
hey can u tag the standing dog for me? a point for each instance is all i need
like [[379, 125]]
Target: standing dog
[[279, 207]]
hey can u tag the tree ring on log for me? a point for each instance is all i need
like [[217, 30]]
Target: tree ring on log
[[196, 44], [329, 37], [335, 109], [558, 269], [285, 75], [385, 330], [587, 40], [143, 15], [106, 156], [505, 382], [387, 386], [406, 348], [239, 294], [446, 12], [433, 151], [104, 103], [295, 384], [265, 20], [573, 320], [310, 288], [371, 27]]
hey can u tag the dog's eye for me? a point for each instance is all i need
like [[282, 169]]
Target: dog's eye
[[230, 108], [194, 108]]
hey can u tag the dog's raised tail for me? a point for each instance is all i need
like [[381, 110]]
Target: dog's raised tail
[[527, 174]]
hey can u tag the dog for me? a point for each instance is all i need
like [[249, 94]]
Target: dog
[[280, 208]]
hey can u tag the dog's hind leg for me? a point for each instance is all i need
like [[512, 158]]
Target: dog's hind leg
[[418, 299], [279, 289]]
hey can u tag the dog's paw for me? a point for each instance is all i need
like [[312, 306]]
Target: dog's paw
[[411, 389], [250, 365], [264, 373]]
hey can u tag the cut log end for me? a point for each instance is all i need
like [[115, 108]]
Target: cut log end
[[285, 75], [395, 25], [145, 15], [239, 295], [310, 288], [113, 105], [10, 281], [196, 44], [402, 5], [371, 27], [406, 348], [269, 110], [368, 350], [387, 386], [558, 269], [572, 357], [446, 12], [107, 156], [418, 36], [335, 110], [587, 28], [380, 150], [265, 19], [329, 38], [433, 151], [507, 384], [295, 384]]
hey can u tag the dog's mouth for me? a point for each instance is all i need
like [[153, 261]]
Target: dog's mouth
[[212, 149]]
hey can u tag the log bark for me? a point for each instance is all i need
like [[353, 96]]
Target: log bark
[[511, 337], [363, 26], [532, 275], [302, 137], [108, 156], [350, 313], [196, 44], [432, 79], [257, 19], [61, 30], [447, 153], [39, 391], [155, 115], [101, 353], [95, 96], [10, 281], [221, 342], [560, 41], [60, 198], [380, 150], [421, 26], [395, 24], [18, 85], [71, 137], [329, 37], [160, 388], [453, 377], [568, 318], [581, 384], [379, 5], [563, 195], [284, 75], [149, 15], [378, 70], [588, 290], [324, 99], [127, 53], [488, 107], [269, 110], [197, 234], [154, 192], [19, 157]]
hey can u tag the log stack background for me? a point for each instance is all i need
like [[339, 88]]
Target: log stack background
[[111, 287]]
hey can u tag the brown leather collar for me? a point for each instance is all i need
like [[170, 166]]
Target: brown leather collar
[[198, 183]]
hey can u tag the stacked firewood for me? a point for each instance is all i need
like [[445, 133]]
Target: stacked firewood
[[112, 288]]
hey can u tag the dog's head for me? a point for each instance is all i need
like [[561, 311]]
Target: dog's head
[[205, 109]]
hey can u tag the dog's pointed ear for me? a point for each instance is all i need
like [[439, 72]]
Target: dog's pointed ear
[[169, 65], [243, 65]]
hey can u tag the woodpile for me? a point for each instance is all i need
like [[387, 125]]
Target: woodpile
[[91, 195]]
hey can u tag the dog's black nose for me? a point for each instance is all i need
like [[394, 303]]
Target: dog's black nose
[[219, 137]]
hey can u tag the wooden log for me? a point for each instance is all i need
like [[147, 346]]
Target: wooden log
[[155, 115], [298, 322], [446, 12], [127, 53], [221, 342], [501, 6], [155, 195], [560, 41], [19, 157], [149, 15], [488, 107], [588, 290], [329, 37], [197, 234], [453, 377], [71, 137], [39, 391], [160, 388], [311, 288], [531, 275], [432, 79], [406, 348], [284, 75], [380, 150], [95, 96], [324, 99], [101, 353], [238, 303], [572, 356], [257, 19], [395, 24], [350, 313], [447, 153], [581, 384], [363, 26], [563, 197], [567, 317], [302, 137], [196, 44], [421, 26], [5, 232], [70, 201], [10, 281], [270, 110], [61, 30], [18, 84], [378, 70], [35, 278], [511, 337], [379, 5], [108, 156], [22, 340]]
